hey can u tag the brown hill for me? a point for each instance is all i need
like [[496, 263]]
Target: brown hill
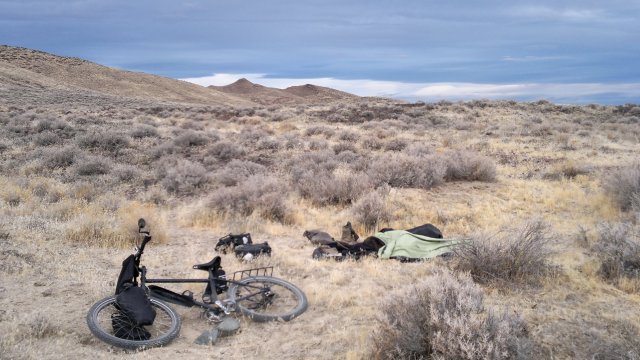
[[318, 93], [22, 69], [258, 93], [304, 94]]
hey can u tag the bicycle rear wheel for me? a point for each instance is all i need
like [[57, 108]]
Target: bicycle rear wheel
[[109, 325], [265, 298]]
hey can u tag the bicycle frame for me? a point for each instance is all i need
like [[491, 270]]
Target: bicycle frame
[[215, 302]]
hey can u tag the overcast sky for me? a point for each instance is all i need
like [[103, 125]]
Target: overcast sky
[[567, 51]]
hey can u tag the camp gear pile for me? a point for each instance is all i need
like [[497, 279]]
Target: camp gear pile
[[414, 244]]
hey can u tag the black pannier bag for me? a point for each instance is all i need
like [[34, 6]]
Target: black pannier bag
[[254, 249], [124, 328], [134, 303], [231, 241]]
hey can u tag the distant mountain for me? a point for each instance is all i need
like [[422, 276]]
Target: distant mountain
[[304, 94], [319, 93], [32, 75], [23, 69]]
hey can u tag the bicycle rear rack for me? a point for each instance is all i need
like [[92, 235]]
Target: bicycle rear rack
[[261, 271]]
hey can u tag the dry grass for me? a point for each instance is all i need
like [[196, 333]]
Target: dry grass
[[72, 186]]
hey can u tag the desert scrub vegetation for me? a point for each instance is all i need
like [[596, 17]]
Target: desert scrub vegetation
[[469, 166], [517, 255], [618, 249], [623, 185], [404, 171], [444, 317], [266, 196], [108, 141], [182, 177], [371, 210]]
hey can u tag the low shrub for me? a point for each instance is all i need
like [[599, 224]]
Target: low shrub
[[108, 141], [623, 185], [61, 157], [519, 255], [167, 148], [346, 135], [319, 130], [418, 149], [50, 124], [371, 143], [404, 171], [566, 170], [237, 171], [395, 145], [142, 131], [92, 165], [317, 144], [618, 248], [47, 138], [264, 195], [444, 317], [225, 151], [333, 188], [184, 177], [128, 173], [268, 143], [371, 210], [191, 138], [469, 166], [344, 146]]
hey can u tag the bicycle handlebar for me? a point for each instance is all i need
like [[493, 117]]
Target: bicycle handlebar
[[146, 239]]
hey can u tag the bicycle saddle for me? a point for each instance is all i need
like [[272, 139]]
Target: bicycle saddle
[[214, 265]]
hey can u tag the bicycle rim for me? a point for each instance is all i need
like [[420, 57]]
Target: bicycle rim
[[264, 298], [107, 323]]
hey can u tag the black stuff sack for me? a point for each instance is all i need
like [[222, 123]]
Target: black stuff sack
[[134, 303], [427, 230], [250, 251], [231, 241]]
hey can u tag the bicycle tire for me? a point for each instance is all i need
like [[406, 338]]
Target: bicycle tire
[[165, 328], [283, 302]]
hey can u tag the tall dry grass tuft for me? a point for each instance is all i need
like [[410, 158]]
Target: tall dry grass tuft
[[444, 317], [516, 256], [103, 227]]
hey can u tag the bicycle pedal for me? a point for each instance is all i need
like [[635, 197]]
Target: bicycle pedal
[[212, 316]]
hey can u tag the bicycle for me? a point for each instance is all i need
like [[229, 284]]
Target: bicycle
[[253, 292]]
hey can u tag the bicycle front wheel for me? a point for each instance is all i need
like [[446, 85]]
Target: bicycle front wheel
[[108, 324], [265, 298]]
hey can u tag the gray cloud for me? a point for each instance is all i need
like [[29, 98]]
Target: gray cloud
[[489, 42]]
